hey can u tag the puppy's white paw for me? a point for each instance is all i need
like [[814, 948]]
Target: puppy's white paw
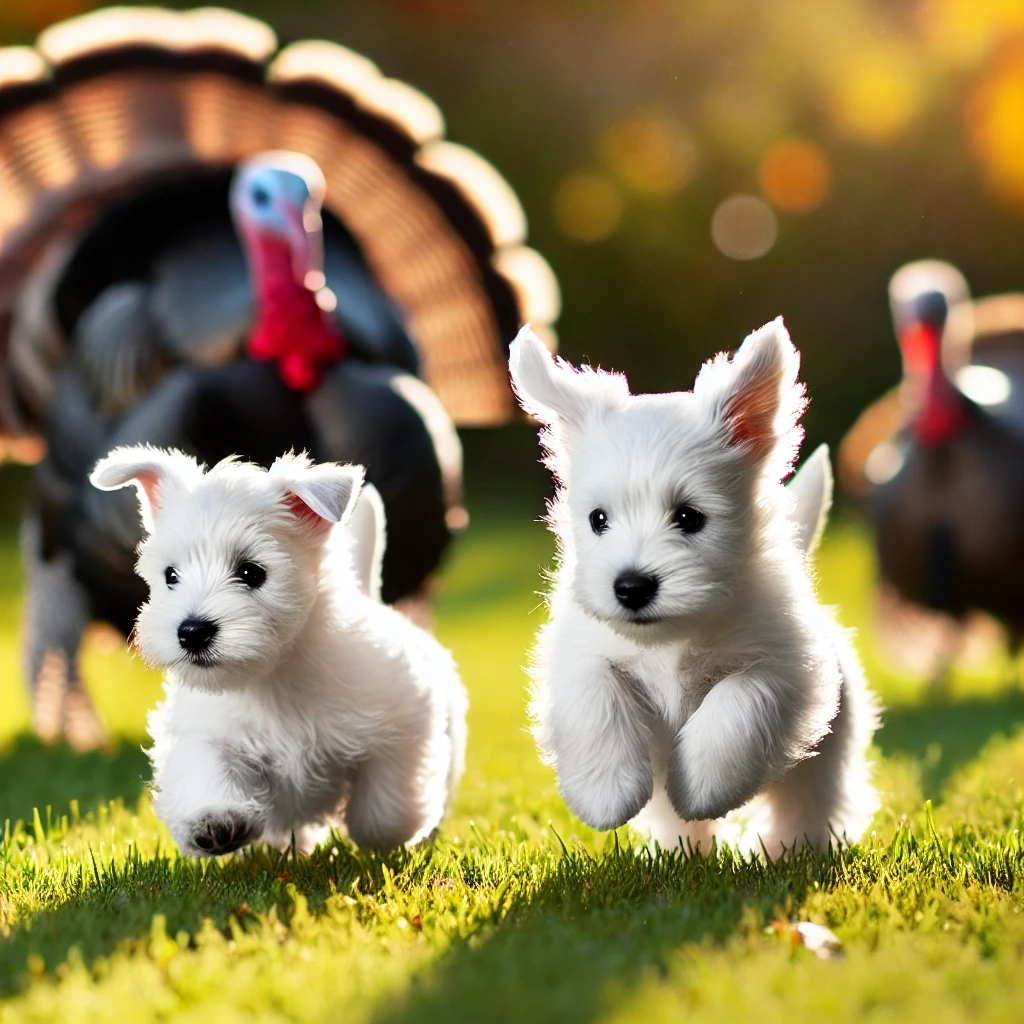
[[707, 779], [700, 795], [608, 799], [221, 830]]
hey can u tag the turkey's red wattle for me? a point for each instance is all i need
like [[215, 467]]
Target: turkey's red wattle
[[291, 329], [943, 411]]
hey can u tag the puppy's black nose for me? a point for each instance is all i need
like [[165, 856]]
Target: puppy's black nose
[[195, 635], [635, 590]]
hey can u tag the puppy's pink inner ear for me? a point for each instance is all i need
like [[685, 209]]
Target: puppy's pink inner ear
[[149, 481], [303, 512], [751, 414]]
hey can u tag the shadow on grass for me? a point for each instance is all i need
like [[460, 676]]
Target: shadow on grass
[[945, 736], [596, 928], [33, 775], [99, 910]]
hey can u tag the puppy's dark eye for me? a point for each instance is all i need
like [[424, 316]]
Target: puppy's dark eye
[[688, 519], [251, 574], [599, 520], [171, 575]]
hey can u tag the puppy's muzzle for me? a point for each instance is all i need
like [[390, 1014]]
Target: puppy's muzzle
[[196, 635], [635, 590]]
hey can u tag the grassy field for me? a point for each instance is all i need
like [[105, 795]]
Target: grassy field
[[517, 912]]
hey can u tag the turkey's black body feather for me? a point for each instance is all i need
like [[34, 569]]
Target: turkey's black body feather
[[949, 526]]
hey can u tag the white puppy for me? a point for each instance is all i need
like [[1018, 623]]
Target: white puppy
[[293, 697], [687, 667]]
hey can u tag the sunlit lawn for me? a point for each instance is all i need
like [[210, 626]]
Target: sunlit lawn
[[517, 912]]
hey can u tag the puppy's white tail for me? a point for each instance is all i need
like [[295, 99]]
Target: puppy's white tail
[[811, 488]]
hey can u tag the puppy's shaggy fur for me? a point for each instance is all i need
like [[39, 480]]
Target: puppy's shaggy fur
[[293, 697], [687, 669]]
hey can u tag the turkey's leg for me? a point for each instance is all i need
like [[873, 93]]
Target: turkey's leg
[[56, 614]]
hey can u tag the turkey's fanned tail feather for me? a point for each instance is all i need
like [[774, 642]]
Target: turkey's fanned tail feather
[[125, 99]]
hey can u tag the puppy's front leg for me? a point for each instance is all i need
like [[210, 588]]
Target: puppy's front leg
[[732, 747], [593, 723], [202, 799]]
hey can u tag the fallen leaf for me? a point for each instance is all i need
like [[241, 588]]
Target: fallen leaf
[[821, 941]]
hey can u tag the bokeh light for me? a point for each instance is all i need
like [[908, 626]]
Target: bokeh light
[[650, 153], [984, 385], [587, 207], [744, 118], [794, 174], [744, 227], [995, 125], [962, 31], [876, 96]]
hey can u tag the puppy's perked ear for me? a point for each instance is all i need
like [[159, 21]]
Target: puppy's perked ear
[[154, 472], [811, 490], [367, 526], [318, 495], [756, 394], [551, 389]]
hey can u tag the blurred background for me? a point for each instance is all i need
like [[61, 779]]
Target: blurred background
[[693, 169]]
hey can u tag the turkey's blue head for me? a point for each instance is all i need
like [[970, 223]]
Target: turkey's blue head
[[278, 195], [275, 200]]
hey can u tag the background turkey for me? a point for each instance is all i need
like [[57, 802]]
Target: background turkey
[[941, 461], [125, 300]]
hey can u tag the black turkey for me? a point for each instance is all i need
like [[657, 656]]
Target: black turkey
[[131, 311], [942, 457]]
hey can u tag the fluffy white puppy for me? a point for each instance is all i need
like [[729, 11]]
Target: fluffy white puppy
[[293, 697], [687, 668]]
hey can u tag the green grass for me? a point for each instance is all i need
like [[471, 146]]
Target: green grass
[[517, 912]]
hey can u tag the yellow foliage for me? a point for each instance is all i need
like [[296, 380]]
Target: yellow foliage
[[995, 127]]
